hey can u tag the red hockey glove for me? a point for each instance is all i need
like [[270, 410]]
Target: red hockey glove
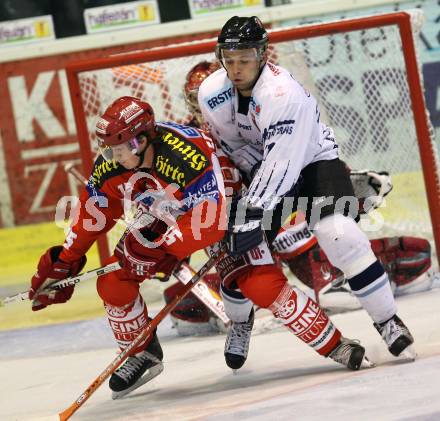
[[140, 262], [51, 269]]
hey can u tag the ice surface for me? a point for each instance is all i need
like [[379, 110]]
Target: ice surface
[[44, 370]]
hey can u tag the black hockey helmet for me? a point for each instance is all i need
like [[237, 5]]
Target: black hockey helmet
[[242, 33]]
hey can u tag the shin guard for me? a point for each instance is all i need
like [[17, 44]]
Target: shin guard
[[305, 319], [128, 322]]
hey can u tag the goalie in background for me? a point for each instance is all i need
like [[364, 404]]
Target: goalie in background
[[179, 197]]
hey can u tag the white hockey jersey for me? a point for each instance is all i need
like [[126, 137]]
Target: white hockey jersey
[[281, 130]]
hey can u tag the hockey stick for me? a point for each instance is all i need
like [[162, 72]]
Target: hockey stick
[[70, 168], [111, 368], [22, 296], [203, 292]]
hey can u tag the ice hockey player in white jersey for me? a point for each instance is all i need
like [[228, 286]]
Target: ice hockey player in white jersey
[[270, 127]]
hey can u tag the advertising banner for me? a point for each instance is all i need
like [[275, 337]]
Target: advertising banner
[[203, 8], [38, 133], [121, 16], [37, 29]]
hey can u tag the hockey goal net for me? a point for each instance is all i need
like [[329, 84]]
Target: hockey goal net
[[367, 79]]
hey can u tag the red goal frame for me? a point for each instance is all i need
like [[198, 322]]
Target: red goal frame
[[401, 19]]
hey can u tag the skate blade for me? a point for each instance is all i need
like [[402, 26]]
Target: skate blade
[[408, 354], [149, 375], [366, 363]]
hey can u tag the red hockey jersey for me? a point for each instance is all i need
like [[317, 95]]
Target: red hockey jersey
[[185, 180]]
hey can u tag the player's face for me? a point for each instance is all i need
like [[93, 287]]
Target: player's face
[[126, 153], [243, 67]]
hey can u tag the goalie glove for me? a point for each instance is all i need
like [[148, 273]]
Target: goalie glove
[[370, 187]]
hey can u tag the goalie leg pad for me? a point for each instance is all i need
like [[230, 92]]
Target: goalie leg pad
[[190, 308], [306, 319], [128, 322]]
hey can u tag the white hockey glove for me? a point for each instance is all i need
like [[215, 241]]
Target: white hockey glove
[[370, 187]]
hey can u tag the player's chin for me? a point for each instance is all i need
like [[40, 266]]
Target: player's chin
[[127, 165], [243, 86]]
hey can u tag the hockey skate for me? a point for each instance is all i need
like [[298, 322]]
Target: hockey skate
[[237, 342], [137, 370], [351, 354], [398, 338]]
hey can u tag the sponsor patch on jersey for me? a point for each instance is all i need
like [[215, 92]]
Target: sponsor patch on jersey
[[170, 170], [244, 126], [206, 188], [102, 171], [187, 151], [279, 128], [256, 108], [219, 99], [181, 129], [178, 160]]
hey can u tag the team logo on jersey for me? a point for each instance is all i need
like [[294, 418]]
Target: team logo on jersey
[[279, 128], [219, 99], [254, 106]]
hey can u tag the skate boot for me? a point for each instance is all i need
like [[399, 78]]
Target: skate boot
[[397, 336], [351, 354], [237, 342], [137, 370]]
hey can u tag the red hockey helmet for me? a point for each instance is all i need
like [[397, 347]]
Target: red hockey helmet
[[124, 120], [194, 79]]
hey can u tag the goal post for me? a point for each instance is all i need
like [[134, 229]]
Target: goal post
[[364, 72]]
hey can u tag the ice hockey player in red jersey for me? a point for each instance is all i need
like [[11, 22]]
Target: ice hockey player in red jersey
[[270, 127], [171, 173]]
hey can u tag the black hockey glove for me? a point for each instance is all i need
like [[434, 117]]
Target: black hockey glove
[[245, 230]]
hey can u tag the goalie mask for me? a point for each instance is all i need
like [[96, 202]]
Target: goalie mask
[[241, 33], [120, 127], [194, 79]]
